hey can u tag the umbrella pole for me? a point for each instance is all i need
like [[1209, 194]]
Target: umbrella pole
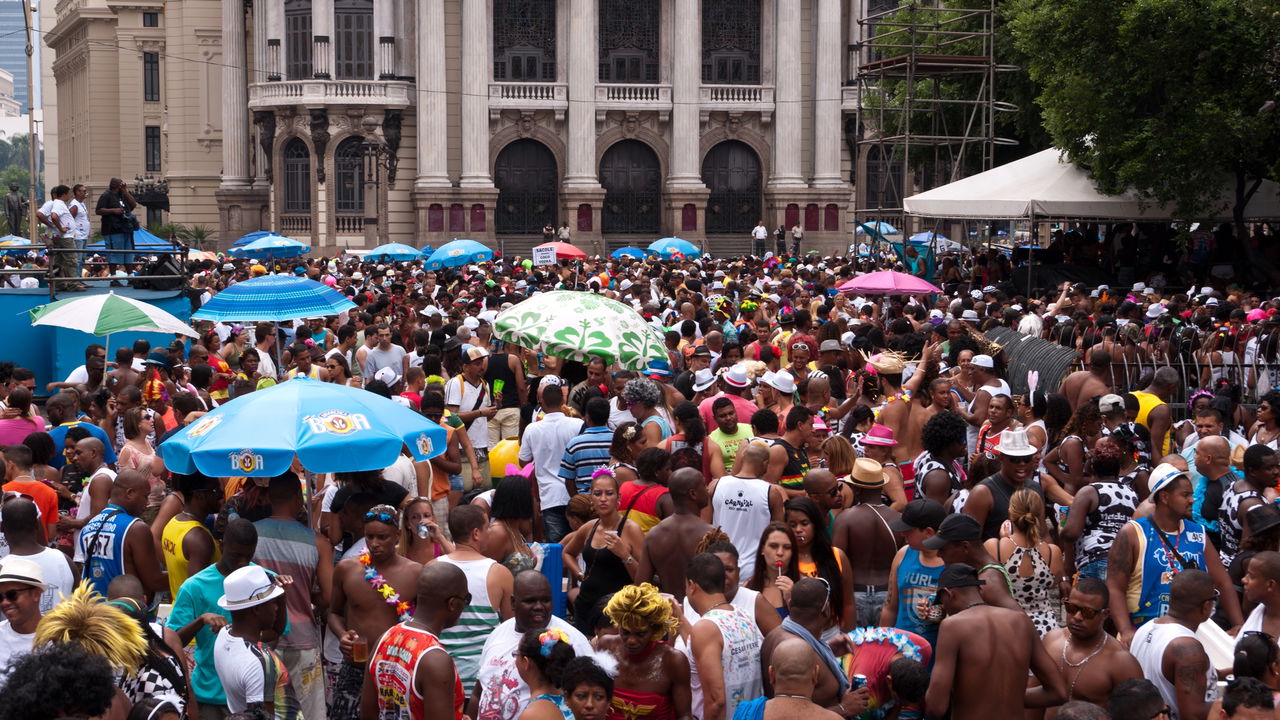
[[279, 374]]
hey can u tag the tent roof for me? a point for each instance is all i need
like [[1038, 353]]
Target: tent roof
[[1045, 185]]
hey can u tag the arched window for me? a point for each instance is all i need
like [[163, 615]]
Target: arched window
[[353, 39], [297, 39], [297, 178], [348, 167], [524, 40], [731, 42], [628, 41]]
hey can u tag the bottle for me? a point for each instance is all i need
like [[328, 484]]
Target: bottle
[[424, 531]]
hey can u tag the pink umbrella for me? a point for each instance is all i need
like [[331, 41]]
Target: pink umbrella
[[888, 282], [565, 251]]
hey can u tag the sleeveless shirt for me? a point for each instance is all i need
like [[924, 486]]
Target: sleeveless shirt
[[465, 640], [392, 667], [1148, 592], [740, 507]]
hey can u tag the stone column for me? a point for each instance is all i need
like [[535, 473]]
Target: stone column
[[384, 31], [321, 39], [581, 151], [827, 97], [235, 90], [686, 82], [786, 114], [475, 103], [432, 105]]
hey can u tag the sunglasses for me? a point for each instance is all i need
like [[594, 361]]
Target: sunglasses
[[13, 595], [386, 518], [1019, 459], [433, 416], [833, 492], [466, 599], [800, 346], [1087, 613]]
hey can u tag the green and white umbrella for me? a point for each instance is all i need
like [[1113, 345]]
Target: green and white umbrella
[[103, 315], [579, 326]]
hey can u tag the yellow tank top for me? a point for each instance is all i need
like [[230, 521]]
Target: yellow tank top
[[1146, 403], [175, 561]]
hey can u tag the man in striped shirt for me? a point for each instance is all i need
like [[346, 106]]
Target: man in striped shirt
[[589, 451]]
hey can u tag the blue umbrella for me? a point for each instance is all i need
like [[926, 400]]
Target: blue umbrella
[[925, 238], [329, 427], [883, 228], [394, 251], [668, 247], [272, 246], [458, 253], [631, 252], [14, 245], [250, 237], [273, 298]]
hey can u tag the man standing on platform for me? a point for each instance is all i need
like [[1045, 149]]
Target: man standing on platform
[[115, 207]]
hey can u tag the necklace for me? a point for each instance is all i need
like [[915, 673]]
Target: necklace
[[722, 602], [1081, 664], [797, 697], [972, 604], [379, 584]]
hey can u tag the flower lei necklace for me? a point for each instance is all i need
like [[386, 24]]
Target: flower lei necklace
[[380, 585]]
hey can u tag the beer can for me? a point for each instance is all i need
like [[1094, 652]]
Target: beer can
[[857, 682]]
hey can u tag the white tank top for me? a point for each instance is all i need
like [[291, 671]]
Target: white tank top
[[740, 657], [1149, 644], [465, 641], [740, 508], [745, 601]]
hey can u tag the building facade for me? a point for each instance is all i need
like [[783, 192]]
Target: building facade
[[364, 121]]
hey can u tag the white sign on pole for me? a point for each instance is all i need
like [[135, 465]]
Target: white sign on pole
[[544, 256]]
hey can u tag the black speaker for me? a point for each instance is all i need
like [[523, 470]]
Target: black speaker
[[167, 265]]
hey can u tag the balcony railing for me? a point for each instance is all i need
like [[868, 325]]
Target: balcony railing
[[737, 98], [349, 224], [528, 96], [295, 224], [616, 96], [385, 93]]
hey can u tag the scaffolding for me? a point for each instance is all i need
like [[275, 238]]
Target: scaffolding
[[926, 77]]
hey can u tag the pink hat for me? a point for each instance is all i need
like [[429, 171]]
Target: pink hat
[[1257, 314], [879, 435], [819, 425]]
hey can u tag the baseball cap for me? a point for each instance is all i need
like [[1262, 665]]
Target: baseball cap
[[919, 514], [958, 527], [957, 575], [1110, 403], [387, 375], [474, 353], [983, 361], [248, 587]]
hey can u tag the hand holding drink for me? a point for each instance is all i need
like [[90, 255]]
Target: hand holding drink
[[497, 391]]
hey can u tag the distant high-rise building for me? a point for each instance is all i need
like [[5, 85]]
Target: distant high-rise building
[[13, 47]]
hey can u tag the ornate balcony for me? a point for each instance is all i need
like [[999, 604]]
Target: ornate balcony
[[631, 98], [318, 93], [737, 98], [528, 96]]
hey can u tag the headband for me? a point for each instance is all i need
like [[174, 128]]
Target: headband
[[548, 639]]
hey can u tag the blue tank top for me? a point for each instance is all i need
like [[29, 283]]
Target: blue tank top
[[662, 424], [917, 582], [102, 543], [1156, 569]]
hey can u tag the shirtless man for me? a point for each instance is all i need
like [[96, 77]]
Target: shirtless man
[[923, 407], [123, 375], [1092, 663], [672, 543], [1083, 385], [791, 671], [864, 534], [983, 655], [959, 540], [650, 672], [811, 611], [358, 612]]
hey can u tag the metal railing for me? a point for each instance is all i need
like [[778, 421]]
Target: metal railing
[[57, 283]]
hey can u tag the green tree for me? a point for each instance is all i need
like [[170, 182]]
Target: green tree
[[1167, 97]]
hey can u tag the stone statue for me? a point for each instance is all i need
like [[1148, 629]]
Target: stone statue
[[391, 123], [266, 122], [15, 207], [319, 139]]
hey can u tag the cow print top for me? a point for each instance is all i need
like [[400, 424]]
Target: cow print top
[[1117, 502]]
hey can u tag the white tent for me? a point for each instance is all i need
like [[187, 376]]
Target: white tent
[[1046, 186]]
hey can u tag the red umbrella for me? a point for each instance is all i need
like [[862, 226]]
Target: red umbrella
[[565, 251]]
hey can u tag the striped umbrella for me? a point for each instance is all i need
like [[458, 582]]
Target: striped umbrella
[[108, 313], [273, 298]]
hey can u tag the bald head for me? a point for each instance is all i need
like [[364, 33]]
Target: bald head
[[129, 480], [19, 517], [438, 582], [91, 446], [808, 595], [126, 586], [130, 491], [530, 583], [792, 663], [1214, 447], [754, 457], [1100, 359], [683, 482], [1190, 590]]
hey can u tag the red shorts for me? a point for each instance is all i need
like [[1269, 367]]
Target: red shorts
[[908, 470]]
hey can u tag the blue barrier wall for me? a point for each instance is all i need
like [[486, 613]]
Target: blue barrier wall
[[52, 353]]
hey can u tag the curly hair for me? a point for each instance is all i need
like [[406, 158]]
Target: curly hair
[[640, 608], [713, 536], [99, 628], [943, 430], [1085, 417], [642, 391], [55, 681]]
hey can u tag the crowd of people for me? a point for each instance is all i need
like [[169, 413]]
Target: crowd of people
[[815, 502]]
